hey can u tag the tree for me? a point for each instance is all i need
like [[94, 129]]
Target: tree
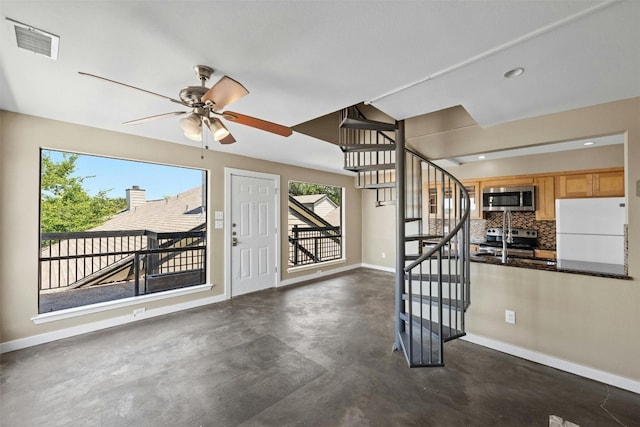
[[297, 188], [65, 204]]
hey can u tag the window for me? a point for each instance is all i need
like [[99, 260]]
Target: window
[[315, 223], [112, 229]]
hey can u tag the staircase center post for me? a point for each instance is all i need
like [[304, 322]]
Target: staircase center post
[[400, 228]]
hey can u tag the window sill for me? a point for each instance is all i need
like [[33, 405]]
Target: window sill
[[316, 265], [112, 305]]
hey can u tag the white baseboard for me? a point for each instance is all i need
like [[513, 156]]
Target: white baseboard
[[555, 362], [18, 344], [317, 275], [379, 267], [544, 359]]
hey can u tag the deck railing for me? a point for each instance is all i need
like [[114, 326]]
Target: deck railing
[[82, 259], [309, 245]]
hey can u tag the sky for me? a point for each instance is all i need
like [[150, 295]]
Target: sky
[[118, 175]]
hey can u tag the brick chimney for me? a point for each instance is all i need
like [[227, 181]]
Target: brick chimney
[[136, 196]]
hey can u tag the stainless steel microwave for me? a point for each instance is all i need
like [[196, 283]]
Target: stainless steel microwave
[[509, 198]]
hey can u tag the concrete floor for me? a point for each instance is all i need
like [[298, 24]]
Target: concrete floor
[[317, 354]]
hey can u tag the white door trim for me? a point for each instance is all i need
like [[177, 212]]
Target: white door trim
[[228, 172]]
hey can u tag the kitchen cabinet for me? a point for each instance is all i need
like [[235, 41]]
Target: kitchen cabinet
[[545, 198], [475, 198], [574, 186], [598, 184], [545, 253], [608, 184], [436, 206]]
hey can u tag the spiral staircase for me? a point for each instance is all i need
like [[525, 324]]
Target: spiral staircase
[[432, 234]]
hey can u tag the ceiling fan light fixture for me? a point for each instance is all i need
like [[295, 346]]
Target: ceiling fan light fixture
[[194, 136], [191, 124], [218, 130]]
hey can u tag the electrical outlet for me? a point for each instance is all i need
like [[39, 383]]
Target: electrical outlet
[[139, 311], [510, 316], [384, 255]]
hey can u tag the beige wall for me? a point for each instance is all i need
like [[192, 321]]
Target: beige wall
[[21, 137], [586, 320]]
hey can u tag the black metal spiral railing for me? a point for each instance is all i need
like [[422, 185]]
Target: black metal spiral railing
[[432, 269]]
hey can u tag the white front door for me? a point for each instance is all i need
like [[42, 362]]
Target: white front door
[[253, 234]]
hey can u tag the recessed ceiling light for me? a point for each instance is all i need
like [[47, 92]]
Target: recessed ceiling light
[[589, 143], [515, 72], [482, 157]]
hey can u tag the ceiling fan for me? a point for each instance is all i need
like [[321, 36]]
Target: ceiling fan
[[206, 106]]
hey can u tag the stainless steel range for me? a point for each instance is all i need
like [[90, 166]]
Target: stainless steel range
[[523, 245]]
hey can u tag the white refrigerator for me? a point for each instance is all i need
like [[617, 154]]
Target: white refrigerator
[[590, 234]]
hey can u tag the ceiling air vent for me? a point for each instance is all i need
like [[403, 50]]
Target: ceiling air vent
[[35, 40]]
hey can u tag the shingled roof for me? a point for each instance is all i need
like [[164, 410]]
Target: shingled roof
[[182, 212]]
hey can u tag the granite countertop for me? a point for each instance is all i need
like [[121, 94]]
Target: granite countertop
[[545, 264]]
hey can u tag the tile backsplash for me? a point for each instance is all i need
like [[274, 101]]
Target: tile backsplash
[[546, 229]]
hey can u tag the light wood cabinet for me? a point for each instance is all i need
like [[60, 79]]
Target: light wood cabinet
[[434, 205], [545, 198], [475, 198], [598, 184], [574, 186], [545, 253], [608, 184]]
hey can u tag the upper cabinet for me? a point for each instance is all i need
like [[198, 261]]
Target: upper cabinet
[[441, 202], [597, 184], [608, 184], [475, 198], [549, 187], [545, 198], [574, 186]]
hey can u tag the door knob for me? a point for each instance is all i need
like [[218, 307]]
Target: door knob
[[234, 241]]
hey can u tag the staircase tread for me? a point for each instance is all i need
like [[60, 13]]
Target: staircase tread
[[377, 167], [380, 185], [412, 219], [368, 147], [424, 277], [412, 257], [448, 333], [413, 237], [386, 203], [455, 303], [366, 124]]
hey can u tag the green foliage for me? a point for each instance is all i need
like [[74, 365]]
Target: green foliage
[[65, 205], [297, 188]]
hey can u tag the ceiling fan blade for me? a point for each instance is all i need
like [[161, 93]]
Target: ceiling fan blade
[[224, 93], [229, 139], [257, 123], [133, 87], [152, 118]]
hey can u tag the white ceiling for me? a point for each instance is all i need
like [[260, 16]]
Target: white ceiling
[[304, 59]]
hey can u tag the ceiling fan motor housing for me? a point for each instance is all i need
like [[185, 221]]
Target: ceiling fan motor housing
[[203, 72], [191, 95]]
